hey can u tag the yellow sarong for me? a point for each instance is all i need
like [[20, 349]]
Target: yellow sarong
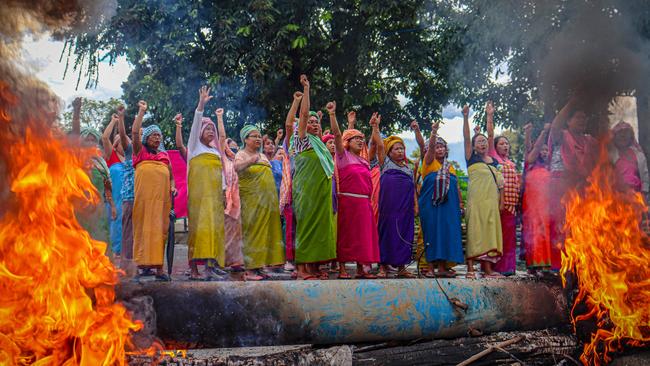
[[151, 212], [260, 217], [484, 239], [205, 209]]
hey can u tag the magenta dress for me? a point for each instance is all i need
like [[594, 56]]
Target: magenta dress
[[357, 238]]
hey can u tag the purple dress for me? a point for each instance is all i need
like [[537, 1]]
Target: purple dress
[[396, 214]]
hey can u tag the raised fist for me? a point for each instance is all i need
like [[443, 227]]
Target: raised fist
[[489, 108], [331, 107], [465, 110], [142, 106], [297, 96], [304, 81], [76, 103], [219, 112]]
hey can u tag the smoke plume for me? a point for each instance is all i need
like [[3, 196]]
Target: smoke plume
[[37, 105], [597, 54]]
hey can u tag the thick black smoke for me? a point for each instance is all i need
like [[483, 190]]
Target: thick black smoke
[[598, 54]]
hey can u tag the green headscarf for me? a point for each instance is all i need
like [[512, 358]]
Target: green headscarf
[[244, 132], [88, 131]]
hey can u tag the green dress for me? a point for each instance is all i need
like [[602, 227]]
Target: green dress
[[312, 204], [260, 217]]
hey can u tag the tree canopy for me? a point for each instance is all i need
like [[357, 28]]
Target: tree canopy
[[405, 59], [387, 56]]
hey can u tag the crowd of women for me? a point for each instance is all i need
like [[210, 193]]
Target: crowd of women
[[320, 199]]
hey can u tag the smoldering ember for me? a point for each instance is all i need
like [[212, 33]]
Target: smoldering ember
[[417, 182]]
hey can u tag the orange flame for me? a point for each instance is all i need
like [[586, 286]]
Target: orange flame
[[609, 254], [57, 302]]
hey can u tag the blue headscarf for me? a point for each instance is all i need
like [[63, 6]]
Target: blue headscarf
[[148, 131]]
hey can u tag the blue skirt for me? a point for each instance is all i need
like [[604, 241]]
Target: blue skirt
[[441, 224], [117, 176]]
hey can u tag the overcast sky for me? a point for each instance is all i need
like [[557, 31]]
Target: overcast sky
[[43, 56]]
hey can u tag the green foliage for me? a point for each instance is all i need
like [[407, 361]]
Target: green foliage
[[94, 114], [528, 56], [462, 180], [415, 154], [363, 54]]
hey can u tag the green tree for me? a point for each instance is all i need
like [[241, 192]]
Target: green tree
[[528, 56], [415, 154], [94, 113], [363, 54]]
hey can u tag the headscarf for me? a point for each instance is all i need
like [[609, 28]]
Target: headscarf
[[89, 131], [621, 126], [390, 141], [148, 131], [350, 134], [244, 132], [205, 122], [641, 159], [327, 137], [313, 114]]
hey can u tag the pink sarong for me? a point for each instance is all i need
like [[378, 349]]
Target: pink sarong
[[179, 170], [357, 237], [232, 218]]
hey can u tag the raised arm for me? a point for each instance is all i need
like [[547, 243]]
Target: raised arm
[[121, 129], [178, 120], [137, 125], [489, 113], [221, 130], [352, 119], [418, 135], [431, 150], [466, 137], [541, 140], [528, 131], [560, 120], [377, 143], [304, 107], [195, 130], [291, 117], [106, 136], [334, 125], [76, 116], [278, 137]]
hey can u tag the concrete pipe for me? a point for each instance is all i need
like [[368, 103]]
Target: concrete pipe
[[235, 314]]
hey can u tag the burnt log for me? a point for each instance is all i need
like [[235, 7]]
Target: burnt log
[[546, 347]]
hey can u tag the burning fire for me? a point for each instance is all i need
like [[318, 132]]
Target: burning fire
[[57, 302], [610, 255]]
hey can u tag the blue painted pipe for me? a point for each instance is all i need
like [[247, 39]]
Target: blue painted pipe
[[235, 314]]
